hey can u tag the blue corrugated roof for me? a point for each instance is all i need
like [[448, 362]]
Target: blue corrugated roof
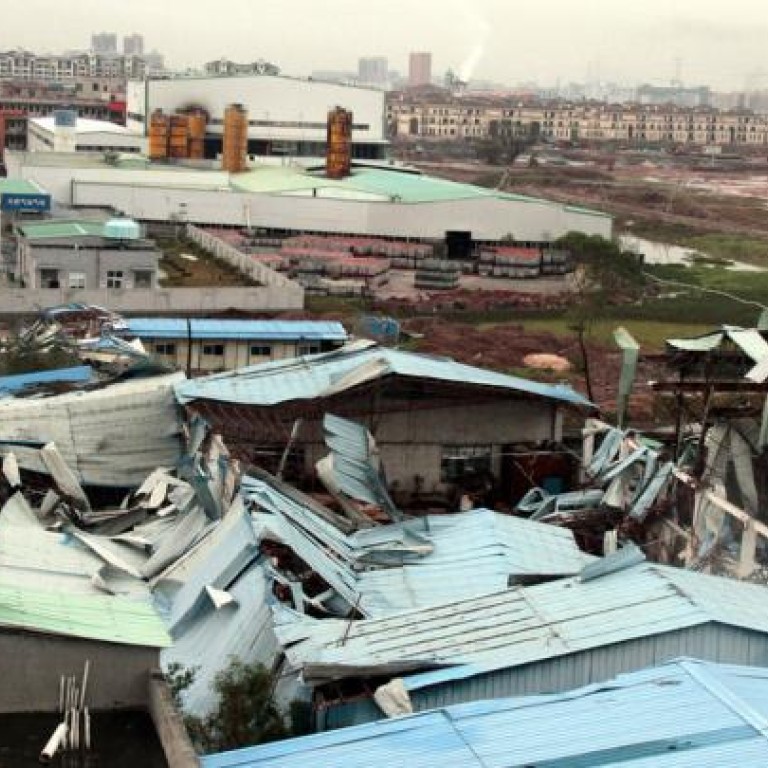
[[322, 375], [418, 560], [22, 380], [682, 714], [483, 634], [262, 330]]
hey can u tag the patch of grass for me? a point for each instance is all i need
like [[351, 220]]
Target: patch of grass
[[648, 333]]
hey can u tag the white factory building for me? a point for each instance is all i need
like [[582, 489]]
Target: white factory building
[[286, 115], [386, 201], [64, 131]]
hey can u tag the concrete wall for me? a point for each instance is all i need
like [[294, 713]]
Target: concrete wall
[[486, 218], [169, 725], [33, 664], [93, 263], [163, 301], [239, 260]]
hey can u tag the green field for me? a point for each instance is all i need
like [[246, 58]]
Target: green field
[[649, 334]]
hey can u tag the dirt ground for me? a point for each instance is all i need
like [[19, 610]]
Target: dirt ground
[[400, 285], [726, 197], [503, 347]]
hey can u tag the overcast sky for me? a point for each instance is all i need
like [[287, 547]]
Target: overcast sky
[[512, 41]]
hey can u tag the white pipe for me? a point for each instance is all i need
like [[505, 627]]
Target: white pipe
[[87, 727], [49, 750], [85, 682], [75, 730], [61, 694]]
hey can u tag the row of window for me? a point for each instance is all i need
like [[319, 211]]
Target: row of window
[[168, 349], [116, 278]]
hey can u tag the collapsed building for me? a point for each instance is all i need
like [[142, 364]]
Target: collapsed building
[[438, 424], [361, 609]]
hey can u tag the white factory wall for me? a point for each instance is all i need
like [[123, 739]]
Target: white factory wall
[[485, 218], [159, 301], [58, 180], [267, 98]]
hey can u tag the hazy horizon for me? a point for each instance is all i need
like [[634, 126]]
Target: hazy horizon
[[701, 42]]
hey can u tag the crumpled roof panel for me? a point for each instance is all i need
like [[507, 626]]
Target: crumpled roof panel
[[315, 376]]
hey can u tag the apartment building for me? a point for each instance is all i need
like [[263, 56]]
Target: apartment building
[[632, 124], [25, 65]]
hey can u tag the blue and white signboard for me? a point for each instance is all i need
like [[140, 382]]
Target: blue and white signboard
[[24, 201]]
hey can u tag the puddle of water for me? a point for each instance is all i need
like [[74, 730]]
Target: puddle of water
[[664, 253], [120, 740]]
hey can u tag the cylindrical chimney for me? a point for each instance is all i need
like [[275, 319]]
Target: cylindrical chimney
[[159, 130], [235, 143], [339, 149]]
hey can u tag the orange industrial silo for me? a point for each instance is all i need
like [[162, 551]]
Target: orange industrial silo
[[235, 143], [179, 136], [159, 130], [339, 149], [197, 124]]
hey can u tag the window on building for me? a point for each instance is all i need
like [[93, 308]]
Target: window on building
[[261, 350], [115, 278], [165, 348], [76, 280], [461, 463], [307, 349], [213, 350], [49, 278], [142, 278]]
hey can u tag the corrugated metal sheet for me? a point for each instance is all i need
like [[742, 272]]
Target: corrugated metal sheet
[[685, 713], [262, 330], [33, 558], [523, 625], [206, 638], [212, 638], [113, 436], [708, 641], [749, 340], [61, 612], [421, 562], [315, 376], [80, 373]]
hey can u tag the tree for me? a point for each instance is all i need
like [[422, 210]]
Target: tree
[[246, 714], [604, 275]]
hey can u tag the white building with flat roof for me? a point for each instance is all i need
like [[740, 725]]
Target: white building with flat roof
[[287, 116], [80, 134]]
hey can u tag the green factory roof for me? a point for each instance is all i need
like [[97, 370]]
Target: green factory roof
[[18, 187], [366, 183], [62, 228], [93, 617]]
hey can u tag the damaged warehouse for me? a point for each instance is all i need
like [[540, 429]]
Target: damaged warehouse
[[439, 425], [295, 518]]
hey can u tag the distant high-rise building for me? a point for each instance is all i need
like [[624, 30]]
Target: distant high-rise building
[[133, 45], [373, 70], [420, 68], [104, 42]]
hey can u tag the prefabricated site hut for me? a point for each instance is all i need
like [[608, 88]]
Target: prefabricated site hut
[[214, 344], [437, 423]]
